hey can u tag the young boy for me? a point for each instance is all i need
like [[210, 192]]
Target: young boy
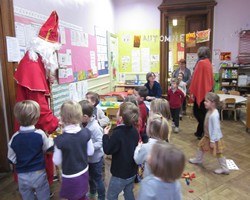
[[26, 150], [175, 98], [96, 160], [100, 116], [121, 145], [141, 93]]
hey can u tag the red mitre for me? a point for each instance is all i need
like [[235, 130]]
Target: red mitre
[[49, 30]]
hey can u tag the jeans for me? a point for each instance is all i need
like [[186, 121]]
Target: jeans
[[175, 115], [31, 182], [116, 185], [96, 180]]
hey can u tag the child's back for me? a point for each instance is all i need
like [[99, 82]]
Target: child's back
[[26, 150], [72, 149], [121, 145], [167, 164]]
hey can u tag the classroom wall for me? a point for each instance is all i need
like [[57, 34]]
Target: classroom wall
[[87, 15], [230, 17], [133, 15]]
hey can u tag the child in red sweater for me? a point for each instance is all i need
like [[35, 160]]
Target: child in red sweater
[[175, 98], [141, 93]]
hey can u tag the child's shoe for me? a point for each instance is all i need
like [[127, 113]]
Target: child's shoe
[[198, 159], [176, 130], [224, 169]]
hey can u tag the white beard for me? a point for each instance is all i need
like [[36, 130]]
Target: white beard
[[47, 51]]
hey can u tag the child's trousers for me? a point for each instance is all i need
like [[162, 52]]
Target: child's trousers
[[31, 182]]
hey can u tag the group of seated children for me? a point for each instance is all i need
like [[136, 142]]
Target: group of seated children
[[139, 138]]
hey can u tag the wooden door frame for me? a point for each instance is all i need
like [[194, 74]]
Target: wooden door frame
[[9, 89], [180, 8]]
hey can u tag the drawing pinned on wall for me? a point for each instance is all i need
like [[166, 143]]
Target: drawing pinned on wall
[[92, 62], [125, 62], [137, 41], [62, 35], [65, 72], [190, 40], [203, 36], [225, 56], [136, 58], [145, 59]]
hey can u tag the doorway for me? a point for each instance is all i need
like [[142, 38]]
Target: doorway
[[7, 84], [178, 18]]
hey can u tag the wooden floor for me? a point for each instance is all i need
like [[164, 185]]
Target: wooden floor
[[206, 185]]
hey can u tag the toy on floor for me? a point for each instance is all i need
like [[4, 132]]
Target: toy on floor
[[188, 178]]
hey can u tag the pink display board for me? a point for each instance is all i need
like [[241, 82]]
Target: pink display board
[[80, 56]]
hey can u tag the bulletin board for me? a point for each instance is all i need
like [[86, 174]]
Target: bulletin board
[[139, 51], [78, 55]]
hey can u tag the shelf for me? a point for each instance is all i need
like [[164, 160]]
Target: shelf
[[229, 86], [229, 78], [243, 86]]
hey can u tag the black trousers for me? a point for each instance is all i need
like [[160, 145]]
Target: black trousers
[[200, 114], [175, 112]]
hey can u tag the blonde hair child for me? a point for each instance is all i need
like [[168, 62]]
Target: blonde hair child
[[72, 149], [212, 139], [157, 130], [121, 145], [161, 106], [167, 164]]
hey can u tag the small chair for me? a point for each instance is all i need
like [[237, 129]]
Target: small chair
[[111, 113], [219, 92], [229, 105], [234, 92]]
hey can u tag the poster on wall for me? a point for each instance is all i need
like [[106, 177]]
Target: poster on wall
[[191, 59], [202, 36], [190, 40], [225, 56]]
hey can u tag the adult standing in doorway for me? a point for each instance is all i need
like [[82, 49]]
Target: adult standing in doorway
[[34, 74], [186, 79], [154, 88], [201, 83]]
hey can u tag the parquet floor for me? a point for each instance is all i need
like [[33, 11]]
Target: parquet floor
[[206, 185]]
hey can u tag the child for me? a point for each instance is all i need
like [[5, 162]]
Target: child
[[166, 163], [72, 149], [121, 145], [212, 139], [102, 119], [175, 98], [26, 150], [161, 106], [96, 160], [141, 93], [157, 129], [183, 87]]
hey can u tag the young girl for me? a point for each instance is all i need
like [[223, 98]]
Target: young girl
[[166, 163], [121, 145], [72, 149], [212, 139], [175, 98], [157, 129], [161, 106]]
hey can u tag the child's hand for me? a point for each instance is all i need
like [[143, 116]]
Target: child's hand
[[106, 129], [211, 145]]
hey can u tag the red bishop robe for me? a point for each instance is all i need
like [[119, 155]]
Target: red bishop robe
[[33, 85], [202, 80]]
